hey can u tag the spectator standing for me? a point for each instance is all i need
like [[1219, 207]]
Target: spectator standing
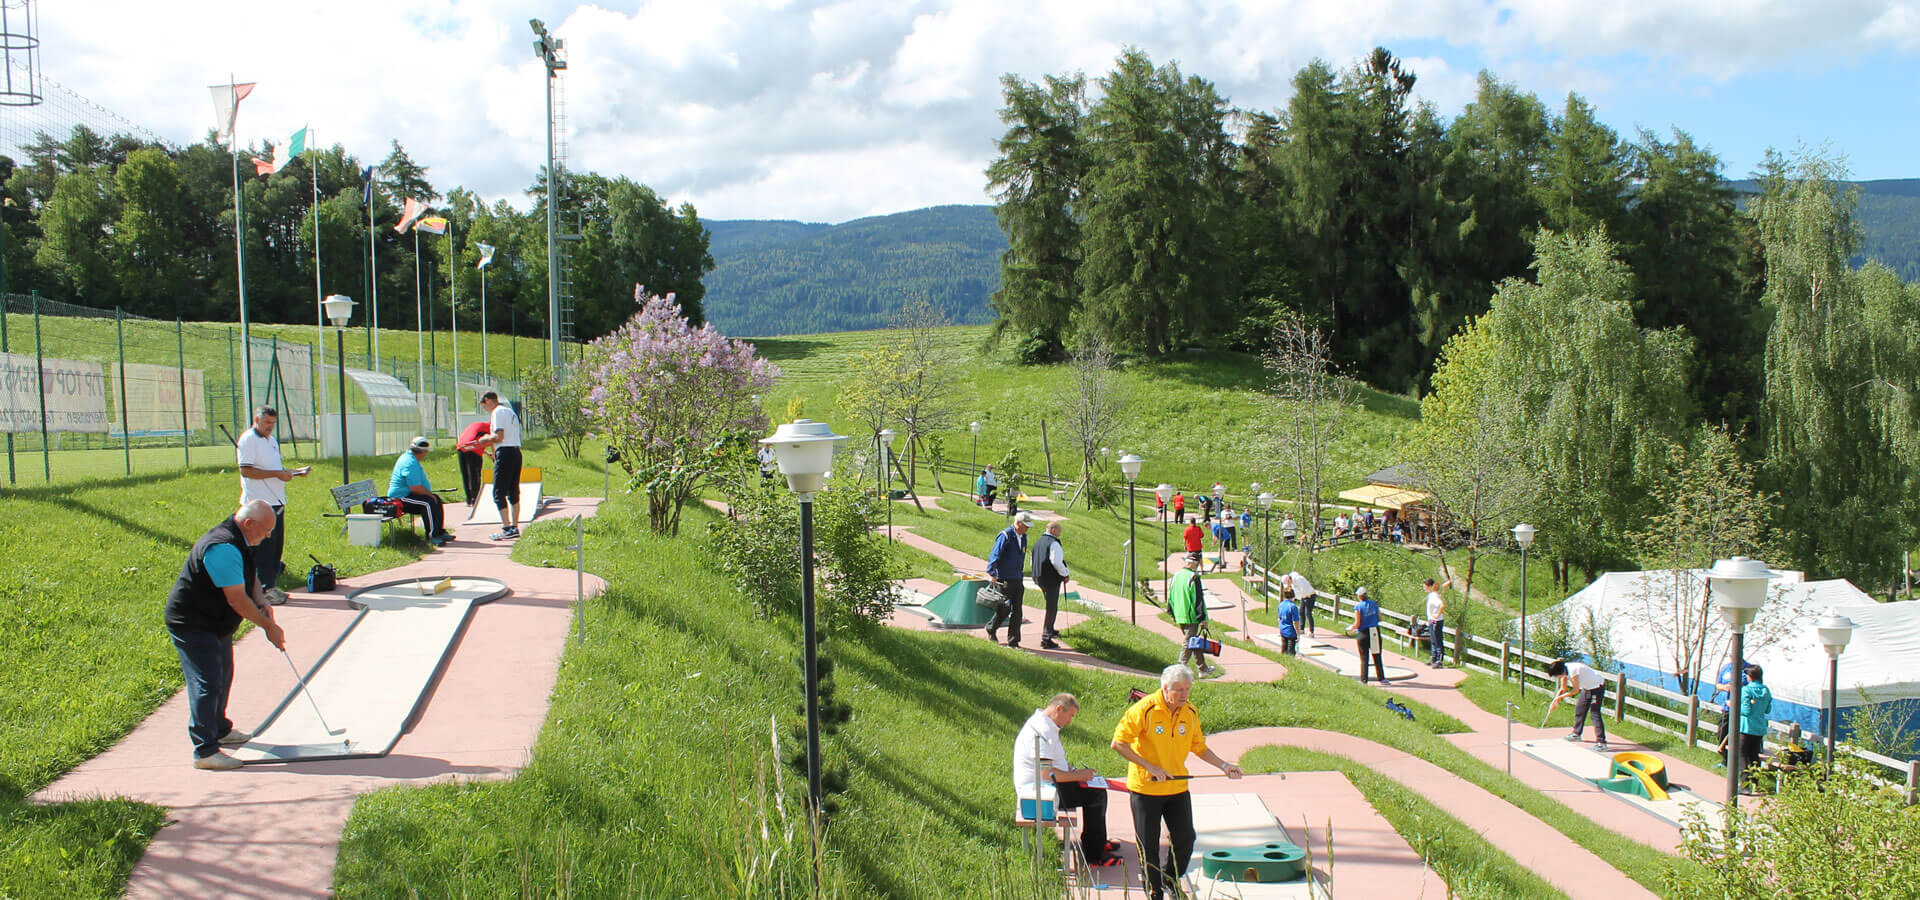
[[1288, 616], [1050, 572], [1004, 565], [1366, 628], [1436, 623], [264, 477], [472, 454], [1756, 701], [1179, 507], [218, 587], [505, 440], [408, 486]]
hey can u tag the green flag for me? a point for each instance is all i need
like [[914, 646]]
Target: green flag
[[296, 145]]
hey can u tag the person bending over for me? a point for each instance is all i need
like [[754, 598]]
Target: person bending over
[[1586, 682]]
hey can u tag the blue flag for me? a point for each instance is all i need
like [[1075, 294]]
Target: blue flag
[[366, 187]]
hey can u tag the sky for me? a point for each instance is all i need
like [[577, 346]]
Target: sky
[[827, 111]]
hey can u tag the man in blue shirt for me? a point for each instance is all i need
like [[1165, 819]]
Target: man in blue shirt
[[1006, 567], [409, 487], [1289, 617], [218, 588], [1366, 626]]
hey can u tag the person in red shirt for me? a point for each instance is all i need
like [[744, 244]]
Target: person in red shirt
[[470, 450], [1179, 506], [1194, 535]]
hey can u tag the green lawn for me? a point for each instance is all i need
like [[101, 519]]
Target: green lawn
[[1179, 412], [89, 567]]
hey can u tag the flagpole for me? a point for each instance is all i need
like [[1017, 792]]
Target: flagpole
[[373, 279], [319, 301], [419, 322], [239, 239], [453, 318]]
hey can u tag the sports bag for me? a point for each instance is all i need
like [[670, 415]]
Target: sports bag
[[320, 578]]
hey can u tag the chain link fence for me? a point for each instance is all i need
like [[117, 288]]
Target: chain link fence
[[95, 393]]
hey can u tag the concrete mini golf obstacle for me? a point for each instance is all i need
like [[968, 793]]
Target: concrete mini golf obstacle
[[1225, 825], [1639, 779], [369, 684], [531, 500]]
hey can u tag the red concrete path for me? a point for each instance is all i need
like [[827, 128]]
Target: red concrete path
[[274, 831]]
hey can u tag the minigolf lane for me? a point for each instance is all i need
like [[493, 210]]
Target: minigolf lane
[[274, 830], [1533, 844]]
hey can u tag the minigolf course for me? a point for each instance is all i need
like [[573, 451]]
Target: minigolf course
[[366, 688], [531, 500], [1638, 778], [955, 607]]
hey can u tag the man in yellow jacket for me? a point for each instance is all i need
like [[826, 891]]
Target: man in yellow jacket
[[1156, 736]]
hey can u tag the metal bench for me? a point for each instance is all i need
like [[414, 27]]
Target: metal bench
[[352, 498]]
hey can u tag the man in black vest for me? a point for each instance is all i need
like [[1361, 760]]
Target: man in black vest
[[1049, 572], [216, 589]]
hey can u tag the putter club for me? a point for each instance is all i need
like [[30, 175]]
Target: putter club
[[316, 706], [1550, 708]]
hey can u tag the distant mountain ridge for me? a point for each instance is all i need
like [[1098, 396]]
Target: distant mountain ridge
[[784, 277]]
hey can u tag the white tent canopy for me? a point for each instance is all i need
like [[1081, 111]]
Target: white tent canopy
[[1881, 662]]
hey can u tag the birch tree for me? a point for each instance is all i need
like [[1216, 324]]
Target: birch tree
[[1310, 397], [1091, 411]]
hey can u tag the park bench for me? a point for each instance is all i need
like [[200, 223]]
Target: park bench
[[355, 498]]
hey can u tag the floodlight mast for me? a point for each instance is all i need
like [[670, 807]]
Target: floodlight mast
[[548, 48]]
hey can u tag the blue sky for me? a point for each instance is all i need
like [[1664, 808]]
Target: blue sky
[[826, 110]]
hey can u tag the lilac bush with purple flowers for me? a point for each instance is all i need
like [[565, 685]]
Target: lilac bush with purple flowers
[[664, 391]]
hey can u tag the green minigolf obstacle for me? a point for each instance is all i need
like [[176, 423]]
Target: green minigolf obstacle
[[1642, 774], [955, 607], [1270, 863]]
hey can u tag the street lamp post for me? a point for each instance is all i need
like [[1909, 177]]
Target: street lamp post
[[1164, 492], [804, 449], [975, 428], [886, 467], [1738, 587], [339, 312], [1220, 509], [1266, 547], [1130, 467], [1523, 535], [548, 48], [1835, 630]]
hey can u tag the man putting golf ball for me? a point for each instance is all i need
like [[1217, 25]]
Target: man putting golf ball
[[1156, 736]]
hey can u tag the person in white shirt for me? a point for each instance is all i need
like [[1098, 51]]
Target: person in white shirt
[[1591, 686], [1040, 758], [1437, 622], [264, 477], [1288, 528], [505, 439]]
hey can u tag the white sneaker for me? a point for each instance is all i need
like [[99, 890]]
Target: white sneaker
[[276, 596], [236, 737], [219, 762]]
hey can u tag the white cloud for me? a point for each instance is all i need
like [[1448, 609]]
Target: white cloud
[[828, 109]]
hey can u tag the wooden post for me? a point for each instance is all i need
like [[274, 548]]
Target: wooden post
[[1620, 698], [1505, 650], [1045, 453], [1693, 719], [1913, 779]]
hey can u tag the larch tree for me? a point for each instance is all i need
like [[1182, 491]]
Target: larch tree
[[1036, 182]]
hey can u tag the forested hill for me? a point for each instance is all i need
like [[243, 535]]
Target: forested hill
[[1889, 215], [785, 277], [801, 278]]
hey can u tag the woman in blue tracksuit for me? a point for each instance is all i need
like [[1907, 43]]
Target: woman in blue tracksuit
[[1366, 627]]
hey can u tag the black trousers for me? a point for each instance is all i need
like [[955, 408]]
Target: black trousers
[[1050, 589], [1149, 810], [1367, 649], [1306, 614], [1010, 612], [506, 477], [266, 555], [428, 508], [1290, 645], [1093, 831], [470, 464]]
